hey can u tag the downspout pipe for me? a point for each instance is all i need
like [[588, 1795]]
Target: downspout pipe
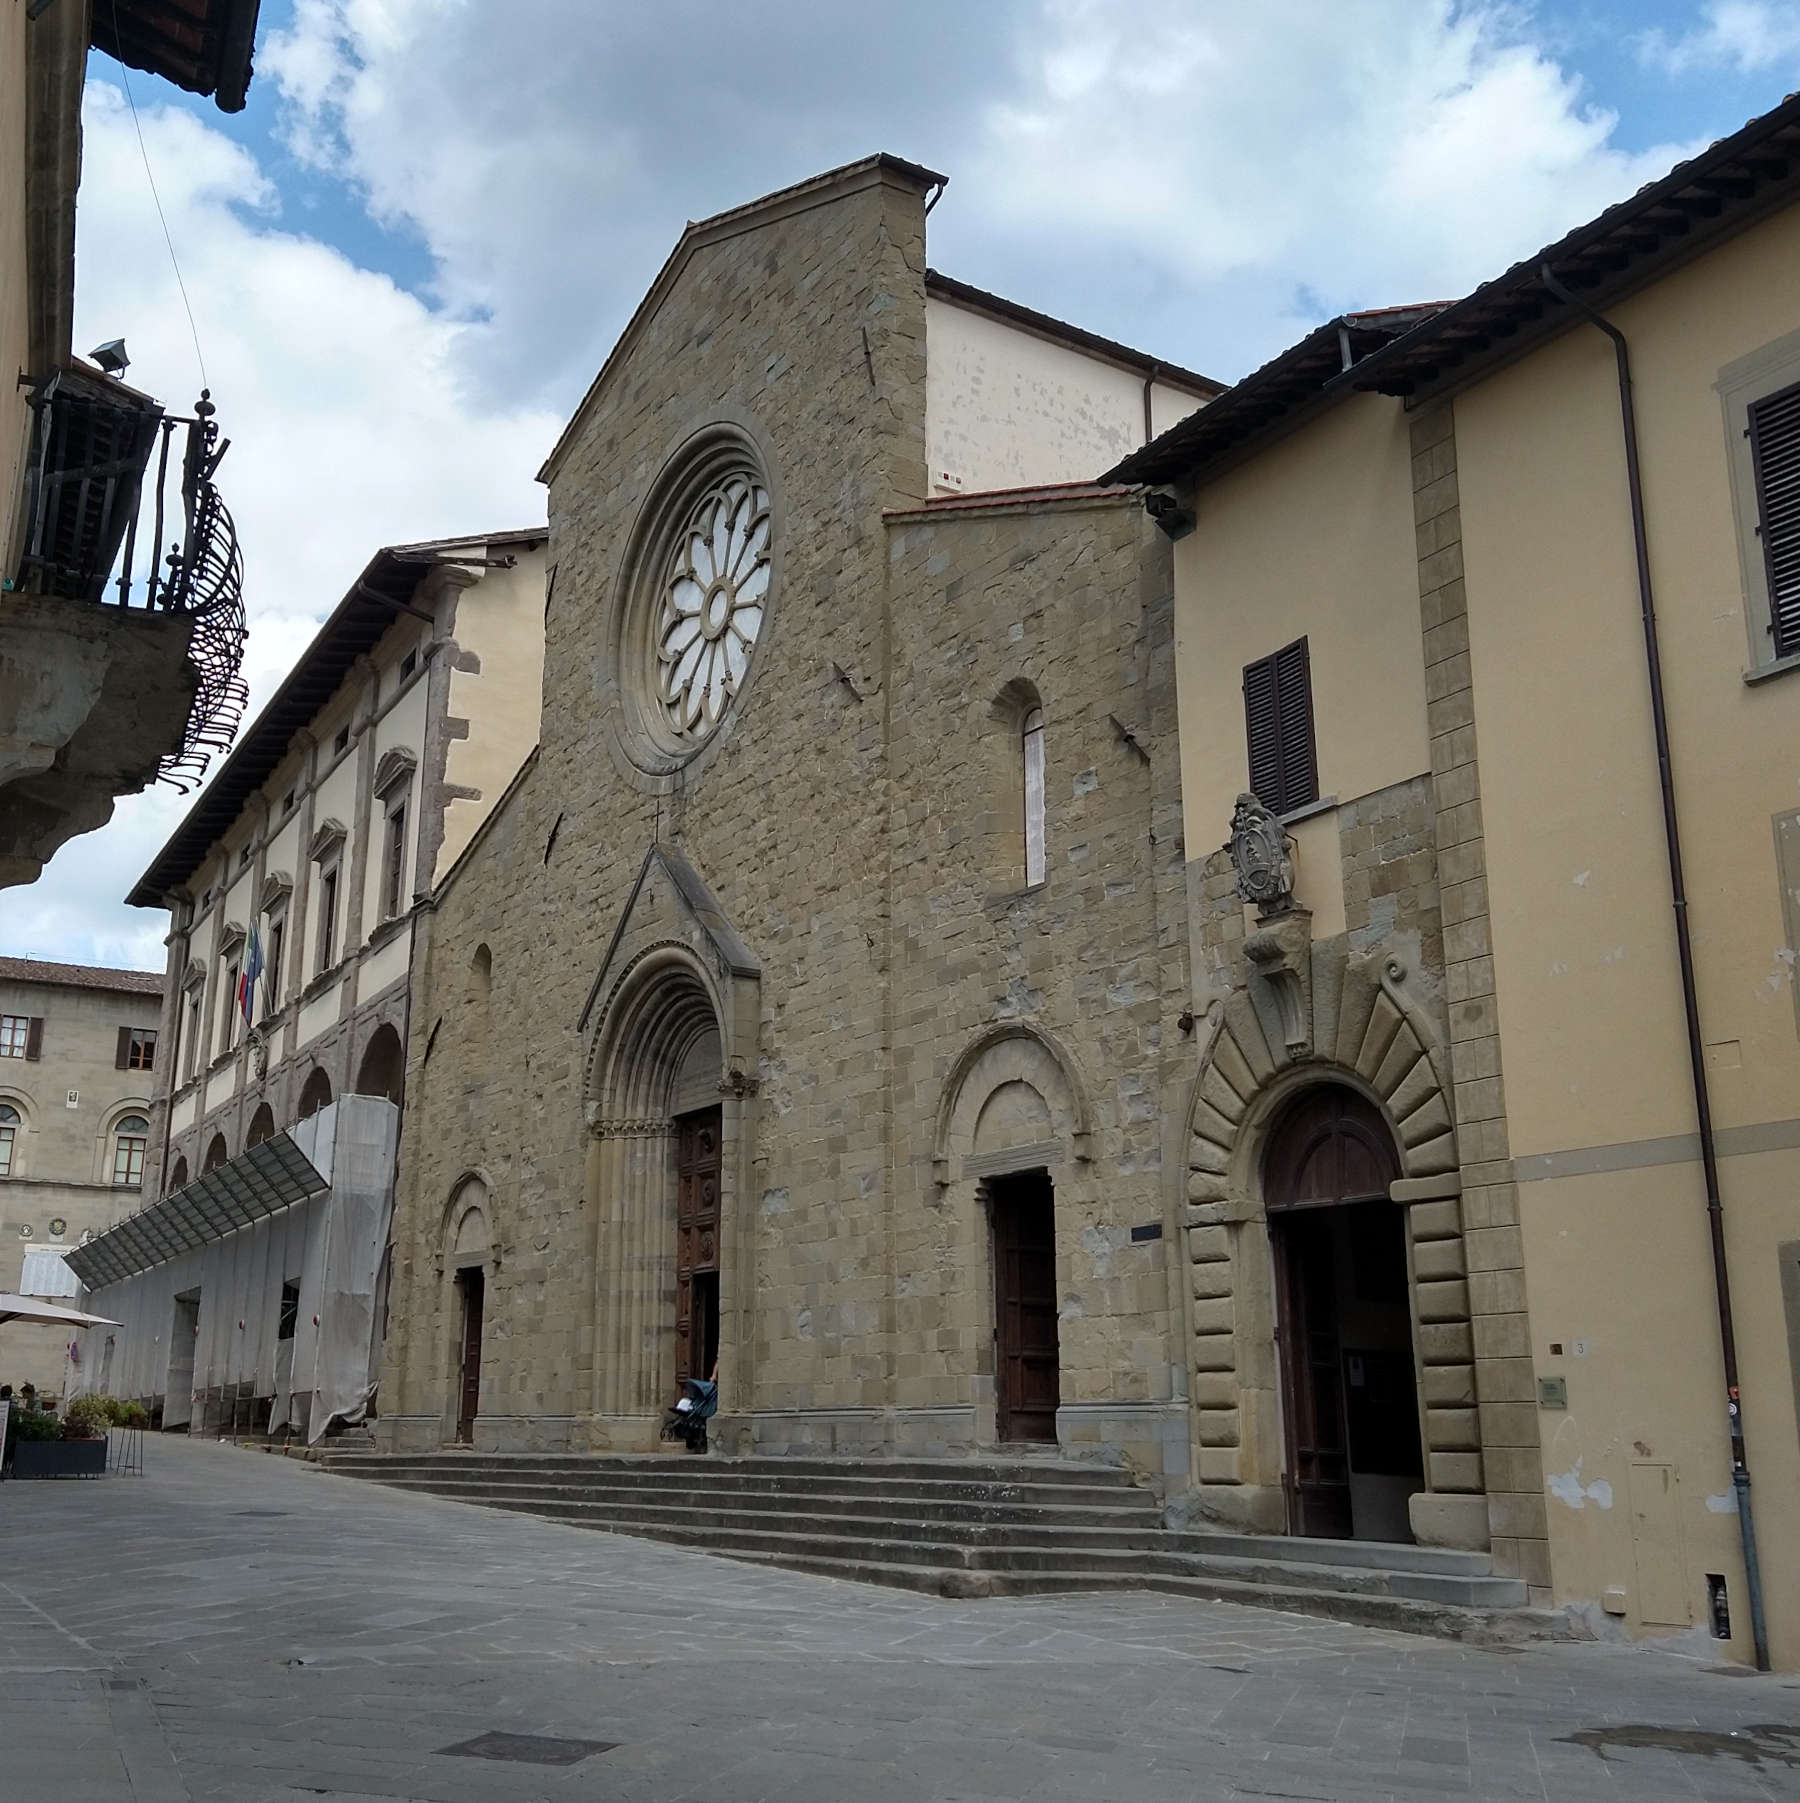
[[1690, 993]]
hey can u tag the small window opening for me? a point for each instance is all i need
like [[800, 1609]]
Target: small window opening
[[1032, 747], [394, 882], [288, 1321], [328, 889], [342, 741]]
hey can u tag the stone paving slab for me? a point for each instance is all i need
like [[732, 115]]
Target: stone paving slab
[[253, 1630]]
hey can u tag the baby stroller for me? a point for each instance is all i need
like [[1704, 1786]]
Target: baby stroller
[[687, 1420]]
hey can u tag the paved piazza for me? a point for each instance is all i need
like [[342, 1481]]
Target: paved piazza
[[243, 1627]]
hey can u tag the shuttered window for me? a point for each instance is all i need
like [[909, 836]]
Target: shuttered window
[[1278, 723], [1775, 459]]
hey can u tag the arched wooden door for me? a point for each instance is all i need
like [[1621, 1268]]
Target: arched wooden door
[[1343, 1318]]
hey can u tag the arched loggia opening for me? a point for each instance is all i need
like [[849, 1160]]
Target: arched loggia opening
[[1349, 1397], [315, 1092], [659, 1174], [383, 1068]]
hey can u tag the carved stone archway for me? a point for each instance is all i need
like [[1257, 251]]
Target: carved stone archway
[[1013, 1102], [676, 988], [1310, 1013]]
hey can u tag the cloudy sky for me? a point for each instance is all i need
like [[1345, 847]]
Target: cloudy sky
[[411, 251]]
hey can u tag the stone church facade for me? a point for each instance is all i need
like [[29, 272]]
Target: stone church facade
[[816, 1006]]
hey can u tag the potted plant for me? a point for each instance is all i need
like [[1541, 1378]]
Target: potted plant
[[74, 1446]]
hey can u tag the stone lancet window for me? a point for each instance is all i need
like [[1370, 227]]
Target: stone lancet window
[[1278, 724], [1031, 744]]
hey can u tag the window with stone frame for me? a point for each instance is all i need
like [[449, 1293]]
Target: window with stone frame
[[10, 1123], [137, 1049], [21, 1035], [393, 868], [1775, 464], [130, 1136], [196, 1030], [228, 1007], [328, 910], [272, 972], [1760, 394]]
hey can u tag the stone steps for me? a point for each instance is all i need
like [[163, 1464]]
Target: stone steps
[[969, 1529], [671, 1503]]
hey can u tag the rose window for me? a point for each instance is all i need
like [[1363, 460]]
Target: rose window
[[713, 600]]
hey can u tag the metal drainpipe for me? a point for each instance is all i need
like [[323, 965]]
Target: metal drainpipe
[[1690, 994]]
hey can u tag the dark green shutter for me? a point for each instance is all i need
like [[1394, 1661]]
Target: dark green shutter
[[1775, 457]]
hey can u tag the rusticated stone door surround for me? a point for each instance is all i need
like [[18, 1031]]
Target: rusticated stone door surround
[[1365, 1028]]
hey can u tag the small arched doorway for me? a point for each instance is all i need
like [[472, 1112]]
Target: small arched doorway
[[383, 1068], [1350, 1405]]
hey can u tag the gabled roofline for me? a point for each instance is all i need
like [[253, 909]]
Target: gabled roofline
[[369, 607], [1727, 188], [1059, 331], [784, 203], [1269, 402]]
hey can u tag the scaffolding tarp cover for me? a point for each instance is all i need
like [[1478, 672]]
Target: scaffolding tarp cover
[[257, 1281]]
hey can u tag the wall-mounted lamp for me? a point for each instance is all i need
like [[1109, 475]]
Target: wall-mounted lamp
[[111, 356]]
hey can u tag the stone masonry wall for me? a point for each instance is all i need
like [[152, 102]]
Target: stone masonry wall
[[1490, 1204], [847, 821]]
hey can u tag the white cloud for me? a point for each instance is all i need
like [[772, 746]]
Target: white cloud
[[350, 428], [1177, 178], [1204, 179], [1745, 36]]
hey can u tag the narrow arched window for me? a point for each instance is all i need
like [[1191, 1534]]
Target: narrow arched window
[[10, 1123], [130, 1137], [1031, 744]]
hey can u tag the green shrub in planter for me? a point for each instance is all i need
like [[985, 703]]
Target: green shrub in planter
[[130, 1414], [87, 1418], [34, 1424]]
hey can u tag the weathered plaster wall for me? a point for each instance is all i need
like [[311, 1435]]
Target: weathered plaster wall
[[1005, 408], [495, 692], [1583, 941]]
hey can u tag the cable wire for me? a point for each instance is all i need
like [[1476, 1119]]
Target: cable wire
[[149, 175]]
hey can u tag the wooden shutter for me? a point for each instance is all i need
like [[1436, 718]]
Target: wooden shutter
[[122, 1059], [34, 1037], [1278, 726], [1775, 457], [1262, 728]]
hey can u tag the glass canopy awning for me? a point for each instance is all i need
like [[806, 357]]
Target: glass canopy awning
[[269, 1177]]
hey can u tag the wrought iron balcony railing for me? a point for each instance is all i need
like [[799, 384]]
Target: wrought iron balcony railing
[[93, 444]]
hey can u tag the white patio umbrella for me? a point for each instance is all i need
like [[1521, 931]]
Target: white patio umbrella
[[30, 1308]]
